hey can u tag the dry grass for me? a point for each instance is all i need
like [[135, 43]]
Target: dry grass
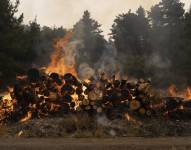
[[4, 131], [83, 126]]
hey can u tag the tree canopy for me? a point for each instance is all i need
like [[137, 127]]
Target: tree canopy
[[154, 43], [88, 32]]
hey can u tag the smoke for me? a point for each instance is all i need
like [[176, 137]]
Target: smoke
[[103, 120], [108, 62], [158, 68], [85, 71], [156, 61], [67, 12], [70, 53]]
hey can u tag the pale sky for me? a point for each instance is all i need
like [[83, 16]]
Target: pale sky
[[67, 12]]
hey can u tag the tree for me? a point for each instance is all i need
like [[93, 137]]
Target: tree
[[11, 39], [167, 19], [88, 32], [10, 27], [32, 41], [130, 33], [182, 65], [188, 24]]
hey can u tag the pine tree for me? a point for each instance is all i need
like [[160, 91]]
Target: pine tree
[[167, 19], [88, 32], [11, 40], [10, 27], [130, 33]]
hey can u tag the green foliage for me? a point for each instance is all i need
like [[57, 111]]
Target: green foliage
[[165, 33], [88, 32], [131, 37], [135, 67], [20, 45], [167, 25], [130, 32], [10, 27], [11, 31]]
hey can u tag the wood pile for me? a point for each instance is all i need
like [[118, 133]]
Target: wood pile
[[38, 95]]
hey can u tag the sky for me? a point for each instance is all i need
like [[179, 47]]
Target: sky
[[67, 12]]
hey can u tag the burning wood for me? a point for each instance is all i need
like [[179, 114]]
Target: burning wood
[[39, 95], [186, 94]]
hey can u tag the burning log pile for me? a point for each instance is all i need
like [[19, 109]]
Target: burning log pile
[[177, 108], [39, 95], [178, 104]]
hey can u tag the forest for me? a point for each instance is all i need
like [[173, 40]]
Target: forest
[[152, 44]]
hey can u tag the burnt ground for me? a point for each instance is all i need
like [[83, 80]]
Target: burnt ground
[[171, 143]]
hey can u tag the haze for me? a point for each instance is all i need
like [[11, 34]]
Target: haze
[[67, 12]]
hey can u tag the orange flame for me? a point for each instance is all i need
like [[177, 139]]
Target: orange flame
[[186, 93], [132, 119], [27, 117], [58, 64]]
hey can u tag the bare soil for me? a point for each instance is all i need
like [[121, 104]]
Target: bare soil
[[171, 143]]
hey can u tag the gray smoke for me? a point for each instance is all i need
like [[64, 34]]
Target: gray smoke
[[85, 71], [107, 62]]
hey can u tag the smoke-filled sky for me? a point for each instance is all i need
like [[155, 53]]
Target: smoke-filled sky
[[67, 12]]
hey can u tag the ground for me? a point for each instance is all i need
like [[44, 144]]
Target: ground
[[171, 143]]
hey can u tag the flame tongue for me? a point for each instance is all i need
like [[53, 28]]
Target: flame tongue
[[186, 93], [62, 54]]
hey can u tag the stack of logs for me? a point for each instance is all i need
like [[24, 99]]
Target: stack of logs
[[177, 108], [38, 95]]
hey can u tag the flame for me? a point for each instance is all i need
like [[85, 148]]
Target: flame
[[58, 64], [20, 133], [129, 118], [188, 92], [87, 81], [27, 117], [132, 119], [7, 97], [173, 91], [21, 77]]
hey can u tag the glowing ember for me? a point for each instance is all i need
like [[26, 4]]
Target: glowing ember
[[186, 94], [58, 62]]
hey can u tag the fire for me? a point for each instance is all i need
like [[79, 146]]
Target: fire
[[7, 97], [129, 118], [132, 119], [173, 91], [27, 117], [58, 64]]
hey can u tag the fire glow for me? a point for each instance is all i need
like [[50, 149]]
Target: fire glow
[[186, 93], [58, 64], [61, 90]]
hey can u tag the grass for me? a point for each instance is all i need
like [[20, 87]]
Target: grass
[[83, 126], [4, 130]]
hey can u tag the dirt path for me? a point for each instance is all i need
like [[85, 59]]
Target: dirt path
[[183, 143]]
